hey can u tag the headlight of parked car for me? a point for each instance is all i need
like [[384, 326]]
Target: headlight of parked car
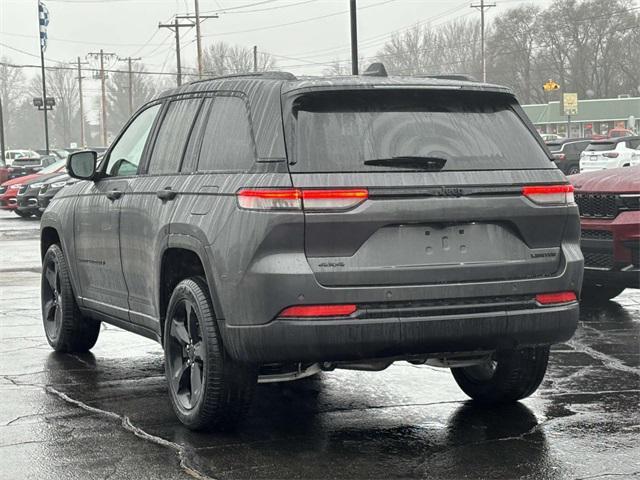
[[58, 184], [35, 186]]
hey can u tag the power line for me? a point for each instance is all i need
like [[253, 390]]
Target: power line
[[305, 20]]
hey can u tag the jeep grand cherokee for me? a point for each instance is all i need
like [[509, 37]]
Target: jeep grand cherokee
[[264, 228]]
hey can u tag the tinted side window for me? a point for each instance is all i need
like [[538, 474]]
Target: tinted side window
[[634, 144], [126, 153], [173, 135], [227, 141]]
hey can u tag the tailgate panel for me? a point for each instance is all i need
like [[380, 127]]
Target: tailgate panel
[[437, 253]]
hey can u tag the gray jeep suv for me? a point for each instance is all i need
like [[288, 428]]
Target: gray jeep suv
[[264, 228]]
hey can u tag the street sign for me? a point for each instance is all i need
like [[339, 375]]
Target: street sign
[[569, 104], [550, 86]]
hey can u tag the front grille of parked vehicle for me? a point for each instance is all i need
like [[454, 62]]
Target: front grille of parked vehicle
[[597, 234], [598, 260], [23, 189], [597, 205]]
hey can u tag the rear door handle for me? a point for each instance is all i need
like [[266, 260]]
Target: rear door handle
[[114, 194], [166, 194]]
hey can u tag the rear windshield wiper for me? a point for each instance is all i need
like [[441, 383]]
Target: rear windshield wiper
[[421, 163]]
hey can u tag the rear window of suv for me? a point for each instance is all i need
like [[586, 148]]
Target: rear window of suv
[[601, 147], [347, 131]]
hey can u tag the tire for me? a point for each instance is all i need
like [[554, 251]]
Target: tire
[[573, 170], [64, 326], [595, 294], [510, 376], [194, 355], [23, 214]]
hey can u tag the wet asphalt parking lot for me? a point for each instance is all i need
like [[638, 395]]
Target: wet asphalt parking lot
[[107, 415]]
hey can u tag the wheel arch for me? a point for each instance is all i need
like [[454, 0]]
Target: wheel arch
[[48, 236], [184, 256]]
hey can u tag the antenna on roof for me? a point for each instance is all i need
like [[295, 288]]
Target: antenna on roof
[[376, 70]]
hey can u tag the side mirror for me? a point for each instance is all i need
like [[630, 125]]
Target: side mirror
[[82, 165]]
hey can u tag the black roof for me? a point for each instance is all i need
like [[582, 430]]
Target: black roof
[[291, 83]]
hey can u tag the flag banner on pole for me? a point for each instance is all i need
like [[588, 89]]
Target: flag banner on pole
[[44, 22]]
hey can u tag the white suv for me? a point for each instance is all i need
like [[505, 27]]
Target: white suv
[[611, 153]]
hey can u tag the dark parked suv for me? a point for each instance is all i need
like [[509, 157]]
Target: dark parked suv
[[264, 228], [566, 153]]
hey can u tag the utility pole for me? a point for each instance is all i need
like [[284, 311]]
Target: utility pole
[[101, 55], [198, 38], [482, 7], [255, 58], [129, 61], [82, 139], [43, 21], [175, 26], [2, 146], [354, 37]]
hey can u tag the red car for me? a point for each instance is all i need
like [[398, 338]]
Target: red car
[[609, 203], [9, 189]]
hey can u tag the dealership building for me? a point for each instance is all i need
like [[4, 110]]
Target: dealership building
[[594, 116]]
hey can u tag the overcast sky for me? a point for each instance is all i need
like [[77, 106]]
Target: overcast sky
[[304, 36], [317, 32]]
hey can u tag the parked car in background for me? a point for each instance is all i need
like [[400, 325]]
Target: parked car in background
[[26, 166], [566, 153], [611, 153], [609, 204], [11, 155], [619, 132], [264, 228], [4, 171], [27, 197], [58, 152], [9, 189], [51, 187], [551, 137]]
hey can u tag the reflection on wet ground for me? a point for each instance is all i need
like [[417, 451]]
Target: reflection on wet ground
[[107, 414]]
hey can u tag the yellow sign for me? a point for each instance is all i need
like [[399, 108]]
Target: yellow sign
[[550, 86], [570, 103]]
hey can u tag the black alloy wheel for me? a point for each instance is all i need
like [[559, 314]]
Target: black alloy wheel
[[185, 355], [51, 298]]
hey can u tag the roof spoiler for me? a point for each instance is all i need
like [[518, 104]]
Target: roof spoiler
[[376, 70], [450, 76]]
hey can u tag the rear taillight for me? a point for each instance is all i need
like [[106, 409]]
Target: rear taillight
[[302, 311], [555, 298], [559, 156], [270, 199], [549, 194], [299, 199], [611, 154]]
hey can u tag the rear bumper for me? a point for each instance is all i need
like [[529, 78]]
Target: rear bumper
[[352, 339]]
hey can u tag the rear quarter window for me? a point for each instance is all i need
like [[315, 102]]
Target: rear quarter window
[[227, 143], [173, 135], [340, 131], [601, 146]]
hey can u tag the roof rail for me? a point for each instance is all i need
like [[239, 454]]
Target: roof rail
[[269, 75], [449, 76]]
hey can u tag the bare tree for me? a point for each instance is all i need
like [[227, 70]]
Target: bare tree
[[453, 48], [220, 58], [143, 89], [12, 93], [64, 120]]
